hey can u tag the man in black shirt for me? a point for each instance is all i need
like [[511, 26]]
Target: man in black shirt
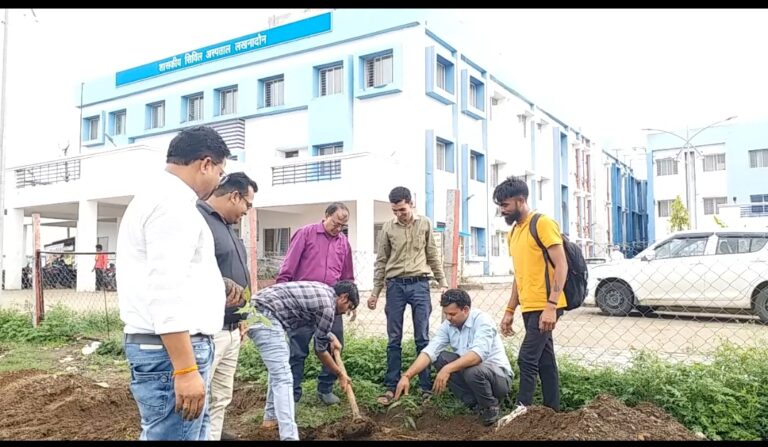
[[229, 202]]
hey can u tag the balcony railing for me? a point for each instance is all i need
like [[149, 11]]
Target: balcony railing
[[48, 174], [757, 210], [307, 172]]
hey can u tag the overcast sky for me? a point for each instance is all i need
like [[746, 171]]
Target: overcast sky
[[611, 72]]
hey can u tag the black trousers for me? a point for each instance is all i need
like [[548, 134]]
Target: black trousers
[[484, 385], [537, 358], [299, 343]]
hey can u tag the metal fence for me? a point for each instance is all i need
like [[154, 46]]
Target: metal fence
[[681, 304]]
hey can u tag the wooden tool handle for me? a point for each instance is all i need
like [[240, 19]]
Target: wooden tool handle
[[350, 393]]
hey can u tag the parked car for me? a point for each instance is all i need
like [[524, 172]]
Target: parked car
[[724, 270]]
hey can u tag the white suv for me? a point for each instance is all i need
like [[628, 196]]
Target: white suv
[[724, 270]]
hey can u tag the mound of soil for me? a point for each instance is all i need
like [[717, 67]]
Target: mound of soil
[[605, 418], [38, 405]]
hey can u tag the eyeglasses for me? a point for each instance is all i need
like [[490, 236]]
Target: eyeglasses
[[248, 205]]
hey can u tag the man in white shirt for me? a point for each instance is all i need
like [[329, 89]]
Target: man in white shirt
[[172, 295]]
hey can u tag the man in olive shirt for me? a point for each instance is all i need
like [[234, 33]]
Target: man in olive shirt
[[407, 255]]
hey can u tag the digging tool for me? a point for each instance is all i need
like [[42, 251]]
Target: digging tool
[[361, 426], [350, 393], [518, 411]]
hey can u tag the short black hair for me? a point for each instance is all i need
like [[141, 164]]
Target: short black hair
[[350, 289], [335, 206], [236, 181], [99, 247], [196, 143], [509, 188], [398, 194], [458, 297]]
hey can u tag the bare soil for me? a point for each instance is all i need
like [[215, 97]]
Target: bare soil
[[41, 405]]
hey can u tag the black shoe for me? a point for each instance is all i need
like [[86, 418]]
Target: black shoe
[[225, 436], [489, 415]]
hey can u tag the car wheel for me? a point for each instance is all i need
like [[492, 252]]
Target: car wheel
[[761, 305], [615, 298]]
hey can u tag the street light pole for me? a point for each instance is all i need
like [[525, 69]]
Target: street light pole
[[690, 163], [2, 135]]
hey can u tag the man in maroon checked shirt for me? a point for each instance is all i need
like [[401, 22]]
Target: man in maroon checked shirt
[[318, 252]]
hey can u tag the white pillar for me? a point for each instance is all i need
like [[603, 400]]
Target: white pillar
[[14, 248], [362, 245], [87, 236]]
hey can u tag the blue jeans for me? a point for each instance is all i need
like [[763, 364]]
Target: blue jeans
[[398, 295], [272, 344], [152, 388], [299, 341]]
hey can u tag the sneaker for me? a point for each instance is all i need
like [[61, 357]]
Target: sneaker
[[328, 398], [489, 415]]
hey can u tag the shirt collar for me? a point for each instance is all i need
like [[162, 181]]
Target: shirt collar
[[205, 206], [416, 217]]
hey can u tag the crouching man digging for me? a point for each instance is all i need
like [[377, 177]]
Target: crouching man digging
[[478, 371]]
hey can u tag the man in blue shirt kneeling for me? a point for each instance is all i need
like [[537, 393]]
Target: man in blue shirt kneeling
[[477, 370]]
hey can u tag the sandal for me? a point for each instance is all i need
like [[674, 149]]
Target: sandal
[[386, 398]]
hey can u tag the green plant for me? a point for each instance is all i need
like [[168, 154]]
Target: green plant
[[719, 222], [112, 347], [678, 216]]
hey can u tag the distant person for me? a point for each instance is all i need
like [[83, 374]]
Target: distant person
[[100, 267], [318, 252], [172, 295]]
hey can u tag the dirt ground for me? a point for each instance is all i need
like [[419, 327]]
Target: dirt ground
[[64, 406]]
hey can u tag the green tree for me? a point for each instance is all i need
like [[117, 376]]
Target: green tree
[[678, 216]]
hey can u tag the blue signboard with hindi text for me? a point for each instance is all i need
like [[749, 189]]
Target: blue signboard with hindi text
[[245, 44]]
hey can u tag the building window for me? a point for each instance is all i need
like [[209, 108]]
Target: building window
[[440, 72], [494, 175], [759, 203], [330, 149], [476, 94], [498, 242], [273, 92], [156, 115], [664, 207], [228, 101], [758, 158], [714, 162], [712, 204], [291, 154], [194, 107], [330, 81], [91, 128], [476, 166], [376, 232], [667, 166], [276, 240], [477, 244], [440, 155], [119, 123], [378, 70]]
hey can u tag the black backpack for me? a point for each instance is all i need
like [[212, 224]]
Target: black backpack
[[576, 281]]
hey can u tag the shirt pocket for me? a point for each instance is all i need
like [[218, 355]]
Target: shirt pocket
[[420, 242]]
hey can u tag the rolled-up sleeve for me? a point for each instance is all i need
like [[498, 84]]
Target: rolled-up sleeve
[[324, 325], [438, 342], [171, 245], [485, 333]]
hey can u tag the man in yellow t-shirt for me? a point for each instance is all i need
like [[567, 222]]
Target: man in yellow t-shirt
[[540, 310]]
